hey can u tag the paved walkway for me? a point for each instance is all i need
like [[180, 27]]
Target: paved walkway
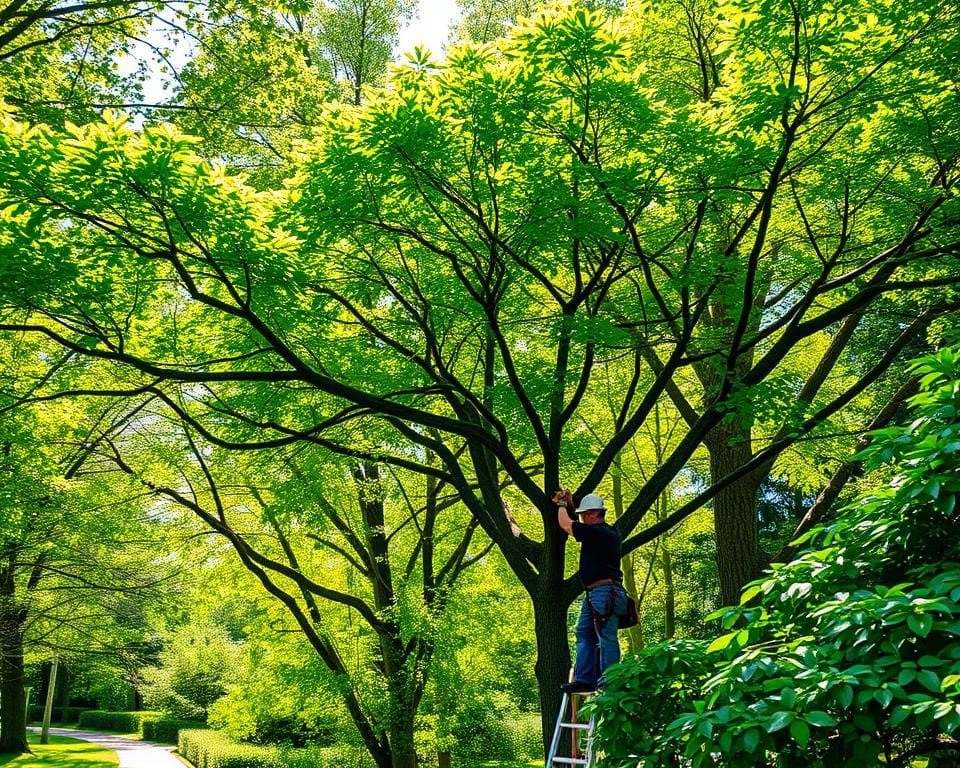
[[132, 753]]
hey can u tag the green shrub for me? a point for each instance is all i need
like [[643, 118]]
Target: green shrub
[[526, 736], [197, 666], [166, 729], [62, 715], [484, 731], [188, 745], [340, 756], [121, 722], [211, 749]]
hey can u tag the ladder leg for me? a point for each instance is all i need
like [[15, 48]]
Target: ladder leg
[[590, 730], [574, 737], [555, 742]]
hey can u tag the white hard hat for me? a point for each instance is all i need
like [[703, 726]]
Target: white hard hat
[[591, 501]]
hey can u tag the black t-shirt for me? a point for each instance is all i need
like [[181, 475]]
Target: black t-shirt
[[599, 551]]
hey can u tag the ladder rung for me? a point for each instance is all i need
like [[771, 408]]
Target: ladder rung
[[578, 726], [570, 760]]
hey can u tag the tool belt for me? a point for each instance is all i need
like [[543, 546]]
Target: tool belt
[[600, 583], [628, 619]]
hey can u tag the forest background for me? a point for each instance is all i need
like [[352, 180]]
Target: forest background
[[293, 359]]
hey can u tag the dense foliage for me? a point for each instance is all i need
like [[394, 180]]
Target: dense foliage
[[848, 655]]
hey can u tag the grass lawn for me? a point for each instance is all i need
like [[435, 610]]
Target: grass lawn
[[61, 752]]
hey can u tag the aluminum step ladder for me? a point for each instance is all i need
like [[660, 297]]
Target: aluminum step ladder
[[567, 721]]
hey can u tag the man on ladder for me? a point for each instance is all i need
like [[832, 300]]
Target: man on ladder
[[604, 601]]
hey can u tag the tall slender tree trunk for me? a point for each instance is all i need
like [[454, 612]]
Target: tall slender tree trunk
[[666, 565], [670, 598], [13, 698], [48, 707], [635, 633]]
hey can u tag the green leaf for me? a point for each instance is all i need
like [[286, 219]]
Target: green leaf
[[845, 696], [820, 718], [800, 732], [929, 680], [920, 623], [788, 697], [883, 696], [899, 714], [779, 721], [750, 592], [722, 642]]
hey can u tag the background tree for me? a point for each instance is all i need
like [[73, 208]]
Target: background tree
[[396, 545], [197, 666], [76, 556], [483, 21], [261, 76]]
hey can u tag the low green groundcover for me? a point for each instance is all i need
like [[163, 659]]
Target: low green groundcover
[[62, 752]]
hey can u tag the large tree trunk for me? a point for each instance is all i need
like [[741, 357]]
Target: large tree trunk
[[739, 557], [13, 699], [553, 655]]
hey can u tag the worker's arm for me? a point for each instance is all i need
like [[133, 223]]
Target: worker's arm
[[564, 519]]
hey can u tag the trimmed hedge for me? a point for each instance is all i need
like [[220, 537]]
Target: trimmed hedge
[[166, 729], [210, 749], [62, 715], [121, 722], [213, 749]]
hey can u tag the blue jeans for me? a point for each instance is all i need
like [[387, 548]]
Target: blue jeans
[[588, 667]]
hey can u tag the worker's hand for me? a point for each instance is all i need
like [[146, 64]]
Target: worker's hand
[[566, 511], [565, 498]]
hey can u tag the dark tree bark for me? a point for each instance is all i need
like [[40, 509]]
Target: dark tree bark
[[553, 657], [13, 700], [739, 557]]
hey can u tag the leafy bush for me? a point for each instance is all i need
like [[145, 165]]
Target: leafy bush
[[166, 729], [121, 722], [339, 756], [62, 715], [196, 668], [525, 736], [670, 674], [267, 719], [849, 655], [485, 732]]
